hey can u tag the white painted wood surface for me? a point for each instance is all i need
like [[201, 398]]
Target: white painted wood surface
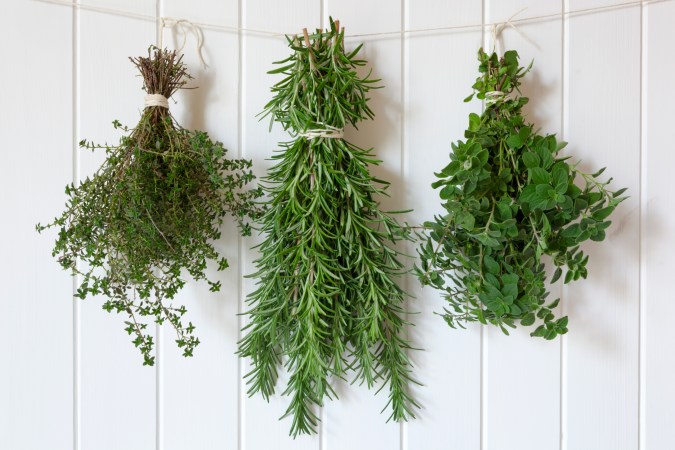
[[69, 378], [657, 390], [116, 393], [603, 127], [36, 322], [523, 374], [435, 85]]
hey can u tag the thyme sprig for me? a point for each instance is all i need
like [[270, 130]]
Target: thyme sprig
[[326, 302], [510, 198], [149, 214]]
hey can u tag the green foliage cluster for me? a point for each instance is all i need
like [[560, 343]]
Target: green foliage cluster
[[151, 211], [326, 302], [510, 198]]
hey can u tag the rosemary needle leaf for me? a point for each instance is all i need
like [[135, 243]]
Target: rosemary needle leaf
[[327, 303]]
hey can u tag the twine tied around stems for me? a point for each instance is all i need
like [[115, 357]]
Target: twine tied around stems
[[156, 100], [327, 132], [493, 96]]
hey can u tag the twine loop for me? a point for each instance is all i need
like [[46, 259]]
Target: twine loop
[[156, 100], [184, 27], [498, 28]]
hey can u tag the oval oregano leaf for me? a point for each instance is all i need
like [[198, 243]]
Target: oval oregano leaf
[[522, 202]]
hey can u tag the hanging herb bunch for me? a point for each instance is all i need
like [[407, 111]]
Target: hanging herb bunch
[[510, 198], [327, 301], [149, 214]]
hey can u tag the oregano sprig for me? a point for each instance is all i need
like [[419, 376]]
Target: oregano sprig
[[326, 302], [509, 198], [149, 215]]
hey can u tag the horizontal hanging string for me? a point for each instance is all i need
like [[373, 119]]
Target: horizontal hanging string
[[156, 100], [212, 26], [328, 132]]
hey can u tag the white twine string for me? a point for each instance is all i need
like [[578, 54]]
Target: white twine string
[[498, 28], [156, 100], [184, 27], [203, 25], [493, 96], [327, 132]]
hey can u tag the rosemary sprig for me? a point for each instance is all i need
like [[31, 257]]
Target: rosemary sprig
[[327, 302]]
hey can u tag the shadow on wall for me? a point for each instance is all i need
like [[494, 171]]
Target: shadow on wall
[[197, 98], [534, 88]]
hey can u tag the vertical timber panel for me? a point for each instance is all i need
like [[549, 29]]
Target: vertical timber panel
[[523, 373], [117, 392], [354, 421], [658, 223], [604, 129], [199, 395], [36, 325], [261, 425], [441, 67]]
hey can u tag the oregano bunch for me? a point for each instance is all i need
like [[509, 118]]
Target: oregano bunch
[[510, 197], [150, 213], [327, 303]]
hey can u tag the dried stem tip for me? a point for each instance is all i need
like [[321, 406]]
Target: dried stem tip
[[163, 71]]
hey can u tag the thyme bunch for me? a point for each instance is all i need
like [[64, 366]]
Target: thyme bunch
[[326, 302], [510, 198], [149, 214]]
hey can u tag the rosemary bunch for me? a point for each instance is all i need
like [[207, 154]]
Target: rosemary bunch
[[149, 214], [510, 198], [327, 301]]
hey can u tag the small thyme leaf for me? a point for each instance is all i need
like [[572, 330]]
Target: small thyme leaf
[[148, 216]]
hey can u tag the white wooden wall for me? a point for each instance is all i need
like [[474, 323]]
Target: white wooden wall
[[69, 378]]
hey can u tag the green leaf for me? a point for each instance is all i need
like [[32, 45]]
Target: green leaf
[[603, 213], [559, 176], [619, 192], [491, 265], [524, 134], [514, 141], [466, 220], [569, 276], [530, 160], [540, 331], [539, 175], [572, 231], [556, 275], [474, 122], [527, 320], [447, 192], [545, 157]]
